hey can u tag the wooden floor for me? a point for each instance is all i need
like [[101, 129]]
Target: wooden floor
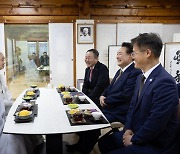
[[19, 83]]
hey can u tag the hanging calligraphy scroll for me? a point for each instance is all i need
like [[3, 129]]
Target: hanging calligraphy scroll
[[172, 60]]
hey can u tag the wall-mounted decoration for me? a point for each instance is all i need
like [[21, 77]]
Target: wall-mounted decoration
[[172, 60], [85, 33]]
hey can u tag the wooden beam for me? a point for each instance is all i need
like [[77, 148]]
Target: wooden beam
[[84, 9], [70, 19], [74, 54], [37, 19], [165, 20], [39, 11], [135, 2], [39, 2], [45, 11], [136, 12]]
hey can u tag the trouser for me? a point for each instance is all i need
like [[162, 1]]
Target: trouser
[[87, 140]]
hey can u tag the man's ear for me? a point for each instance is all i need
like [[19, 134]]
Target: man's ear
[[148, 52]]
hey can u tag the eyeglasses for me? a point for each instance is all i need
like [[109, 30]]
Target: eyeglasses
[[136, 53]]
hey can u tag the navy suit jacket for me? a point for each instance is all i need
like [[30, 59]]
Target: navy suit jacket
[[118, 95], [153, 116], [99, 82]]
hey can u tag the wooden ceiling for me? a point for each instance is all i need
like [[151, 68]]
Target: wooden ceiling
[[44, 11]]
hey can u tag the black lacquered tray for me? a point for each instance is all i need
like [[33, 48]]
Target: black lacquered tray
[[67, 89], [87, 120], [34, 110], [37, 94], [75, 100]]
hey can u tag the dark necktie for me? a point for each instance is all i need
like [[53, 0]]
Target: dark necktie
[[141, 84], [120, 73], [90, 75]]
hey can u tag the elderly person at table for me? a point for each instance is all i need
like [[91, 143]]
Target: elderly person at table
[[9, 143], [4, 92], [151, 125], [30, 141], [95, 82]]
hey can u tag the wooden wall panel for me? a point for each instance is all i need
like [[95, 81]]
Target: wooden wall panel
[[44, 11]]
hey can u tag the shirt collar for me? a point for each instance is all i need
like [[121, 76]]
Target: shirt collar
[[146, 74], [91, 68], [126, 67]]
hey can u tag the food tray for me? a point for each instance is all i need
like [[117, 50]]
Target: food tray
[[67, 89], [75, 100], [34, 114], [37, 94], [87, 120]]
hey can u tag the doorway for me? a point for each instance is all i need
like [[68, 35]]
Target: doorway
[[27, 56]]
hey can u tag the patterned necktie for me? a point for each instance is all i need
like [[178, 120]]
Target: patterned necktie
[[141, 84]]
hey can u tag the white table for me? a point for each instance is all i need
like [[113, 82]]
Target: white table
[[51, 119]]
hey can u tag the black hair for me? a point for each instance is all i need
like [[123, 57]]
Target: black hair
[[149, 40], [95, 52], [128, 46]]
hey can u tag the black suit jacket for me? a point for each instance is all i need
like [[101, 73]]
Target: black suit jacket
[[99, 82], [118, 95]]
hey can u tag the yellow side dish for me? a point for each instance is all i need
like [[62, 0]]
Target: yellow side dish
[[73, 106], [30, 93], [73, 111], [24, 113]]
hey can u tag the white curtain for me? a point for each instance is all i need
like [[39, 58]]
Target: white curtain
[[61, 53]]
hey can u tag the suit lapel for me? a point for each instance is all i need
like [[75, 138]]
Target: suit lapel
[[124, 74], [121, 78], [148, 82], [114, 79]]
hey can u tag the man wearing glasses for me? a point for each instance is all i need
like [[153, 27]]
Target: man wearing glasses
[[151, 125]]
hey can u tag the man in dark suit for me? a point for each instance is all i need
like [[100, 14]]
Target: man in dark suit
[[116, 98], [44, 59], [95, 82], [96, 76], [151, 126]]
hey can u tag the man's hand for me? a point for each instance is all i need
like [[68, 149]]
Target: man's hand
[[127, 137], [102, 103]]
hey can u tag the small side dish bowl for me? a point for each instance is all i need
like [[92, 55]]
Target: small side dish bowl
[[27, 98], [33, 86], [82, 98], [73, 106], [96, 115]]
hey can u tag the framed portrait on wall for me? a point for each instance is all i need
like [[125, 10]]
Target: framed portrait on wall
[[172, 60], [85, 33]]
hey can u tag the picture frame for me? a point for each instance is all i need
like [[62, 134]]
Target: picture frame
[[172, 60], [85, 33]]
